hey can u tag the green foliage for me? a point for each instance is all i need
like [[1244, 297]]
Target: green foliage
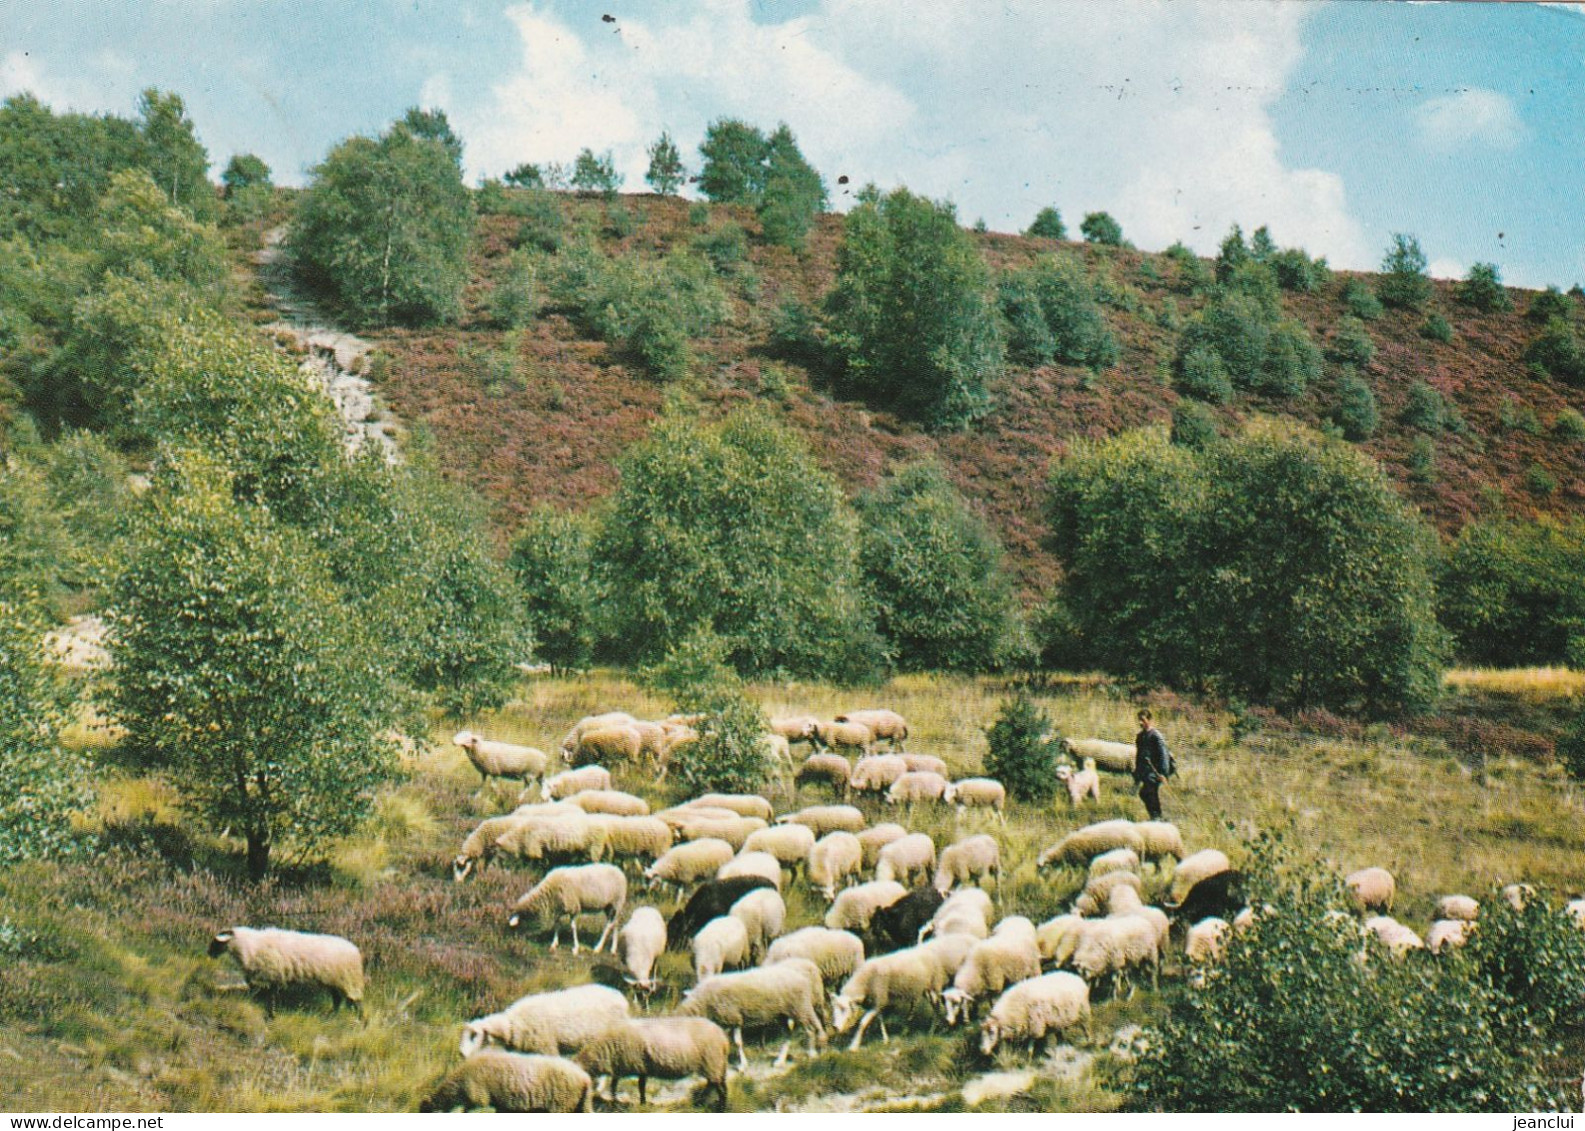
[[1547, 305], [1482, 288], [1559, 352], [698, 537], [1514, 415], [526, 175], [1436, 328], [552, 560], [1571, 748], [1356, 413], [432, 125], [86, 483], [1193, 275], [1539, 481], [35, 545], [1193, 424], [1200, 373], [514, 303], [245, 171], [797, 336], [383, 230], [173, 155], [1232, 254], [1251, 349], [1101, 228], [794, 192], [731, 754], [1292, 361], [665, 174], [698, 214], [1020, 757], [1047, 225], [58, 166], [943, 597], [1296, 271], [725, 247], [1360, 301], [1569, 425], [621, 221], [1404, 283], [543, 221], [1426, 408], [735, 155], [1051, 316], [1422, 460], [1351, 342], [1309, 576], [591, 173], [692, 668], [912, 316]]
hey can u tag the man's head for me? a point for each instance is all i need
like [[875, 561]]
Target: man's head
[[1144, 718]]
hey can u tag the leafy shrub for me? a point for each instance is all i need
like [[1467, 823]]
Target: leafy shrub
[[552, 561], [1547, 305], [731, 754], [1436, 328], [665, 174], [692, 668], [1422, 460], [1539, 481], [514, 302], [542, 221], [1351, 342], [620, 221], [743, 165], [1020, 757], [1101, 228], [1047, 225], [1404, 283], [725, 247], [1513, 592], [1569, 425], [1232, 254], [795, 334], [1426, 408], [1291, 363], [526, 175], [1051, 315], [1296, 271], [698, 214], [1193, 425], [1559, 352], [1360, 301], [1193, 275], [591, 173], [1200, 373], [1571, 749], [1356, 412], [1482, 288], [1514, 415]]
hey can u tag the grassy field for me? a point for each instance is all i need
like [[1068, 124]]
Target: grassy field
[[109, 1002]]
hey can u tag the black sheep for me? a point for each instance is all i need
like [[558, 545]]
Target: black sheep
[[897, 926], [710, 900], [1221, 895]]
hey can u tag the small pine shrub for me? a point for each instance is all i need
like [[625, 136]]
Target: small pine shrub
[[1422, 460], [1292, 361], [1569, 425], [1201, 374], [1020, 757], [543, 223], [725, 247], [621, 221], [1547, 305], [1427, 408], [1437, 329], [1539, 481], [1102, 228], [1558, 352], [1351, 342], [1047, 225], [1296, 271], [1360, 301], [1193, 424], [1482, 288], [1516, 416], [1356, 413], [698, 214], [514, 303]]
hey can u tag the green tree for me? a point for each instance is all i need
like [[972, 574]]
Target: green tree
[[1101, 228], [1234, 254], [432, 125], [1559, 352], [173, 155], [58, 166], [527, 175], [912, 316], [383, 230], [1482, 288], [1404, 283], [794, 192], [697, 538], [1360, 301], [1020, 755], [1512, 592], [1193, 424], [1356, 413], [665, 174], [553, 562], [591, 173], [943, 598], [1261, 246], [1292, 362], [735, 154], [1351, 342], [1052, 316], [1436, 328], [731, 754], [245, 171], [1047, 225], [1547, 305]]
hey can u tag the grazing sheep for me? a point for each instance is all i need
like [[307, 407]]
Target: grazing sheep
[[902, 981], [789, 844], [571, 892], [907, 859], [710, 900], [594, 722], [832, 769], [1036, 1008], [872, 840], [973, 860], [926, 763], [966, 912], [655, 741], [572, 835], [1221, 895], [875, 773], [1083, 844], [640, 942], [515, 1082], [1207, 941], [1126, 901], [1457, 907], [1517, 895], [1113, 757], [743, 804], [791, 990], [480, 848], [900, 924], [731, 828], [833, 859], [752, 864], [1575, 910], [721, 944], [764, 915], [912, 788], [667, 1048], [950, 951], [272, 958], [501, 759], [1373, 889], [1162, 839], [569, 782], [1192, 869], [1115, 946], [1446, 934], [1098, 890], [612, 801], [854, 907], [978, 793], [680, 815], [1010, 955], [633, 838], [548, 1023], [823, 819], [688, 863], [1398, 938], [836, 953], [881, 723], [618, 745], [843, 737], [1057, 938], [795, 728], [1117, 860], [1081, 784]]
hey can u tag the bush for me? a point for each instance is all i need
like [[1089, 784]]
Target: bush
[[725, 247], [1360, 301], [1200, 373], [1569, 425], [1513, 592], [732, 754], [795, 335], [596, 174], [1356, 412], [1232, 254], [1539, 481], [543, 222], [693, 668], [1559, 352], [1422, 460], [1482, 288], [1100, 228], [1020, 757], [514, 302], [1193, 275], [1047, 225], [744, 166], [1351, 342], [1436, 328], [552, 560], [1547, 305], [1296, 271], [1051, 315], [1193, 425], [1426, 409], [1514, 415], [1291, 363], [620, 221], [1404, 283]]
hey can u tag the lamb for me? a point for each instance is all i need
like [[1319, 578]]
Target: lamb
[[1448, 934], [571, 892], [1081, 783], [1079, 846], [1207, 941], [612, 801], [907, 859], [633, 838], [548, 1023], [1373, 889], [1162, 839], [480, 848], [791, 990], [721, 944], [764, 915], [836, 953], [594, 722], [743, 804], [752, 864], [925, 763], [902, 923], [833, 859], [558, 836], [1010, 955], [976, 860], [872, 840], [856, 906], [1399, 939], [1115, 946], [882, 724], [789, 844], [901, 980], [1117, 860], [569, 782], [1113, 757], [823, 819], [843, 736], [875, 773], [912, 788], [616, 744], [795, 728], [690, 862], [509, 1081], [710, 900], [501, 759], [1457, 907], [273, 958], [1192, 869], [978, 793], [832, 769], [1098, 890], [668, 1048], [1036, 1008], [640, 942]]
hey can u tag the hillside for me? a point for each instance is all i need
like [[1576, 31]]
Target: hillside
[[549, 426]]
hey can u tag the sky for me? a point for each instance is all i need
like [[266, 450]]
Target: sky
[[1335, 124]]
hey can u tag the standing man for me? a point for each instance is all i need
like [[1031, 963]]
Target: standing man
[[1151, 764]]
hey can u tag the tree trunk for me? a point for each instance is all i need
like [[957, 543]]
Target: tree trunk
[[258, 853]]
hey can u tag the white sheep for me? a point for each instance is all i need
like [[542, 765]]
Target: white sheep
[[570, 892], [926, 762], [666, 1048], [836, 953], [1457, 907], [872, 840], [1116, 945], [1083, 844], [1126, 901], [978, 793], [619, 745], [501, 759], [835, 858], [824, 819], [743, 804], [764, 915], [688, 863], [1098, 890], [875, 773], [833, 769], [902, 980], [975, 859], [479, 848], [789, 844], [1033, 1009], [1372, 889], [639, 944], [594, 722], [950, 951], [1398, 938], [795, 728], [1202, 865], [881, 723], [1161, 839], [1010, 955], [843, 737], [721, 944], [854, 907], [912, 788], [548, 1023], [1081, 784], [272, 959], [1117, 860], [612, 801], [1206, 941], [569, 782], [570, 835], [1058, 937], [1517, 895], [1575, 910], [633, 838], [704, 823], [792, 990], [966, 911], [1114, 757], [1445, 934], [907, 860], [752, 864], [514, 1082]]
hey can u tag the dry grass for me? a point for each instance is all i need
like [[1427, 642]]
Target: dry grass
[[1536, 685]]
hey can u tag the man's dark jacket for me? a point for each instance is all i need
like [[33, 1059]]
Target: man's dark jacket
[[1150, 756]]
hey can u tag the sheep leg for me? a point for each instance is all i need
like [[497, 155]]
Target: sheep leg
[[642, 1098], [599, 946], [781, 1057], [574, 920], [886, 1038], [864, 1023], [742, 1057], [555, 936]]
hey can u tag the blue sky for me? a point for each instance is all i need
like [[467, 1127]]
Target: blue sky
[[1336, 124]]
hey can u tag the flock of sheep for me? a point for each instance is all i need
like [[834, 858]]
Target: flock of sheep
[[909, 930]]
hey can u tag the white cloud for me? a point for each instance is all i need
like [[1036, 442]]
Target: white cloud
[[1445, 268], [1470, 117], [21, 72]]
